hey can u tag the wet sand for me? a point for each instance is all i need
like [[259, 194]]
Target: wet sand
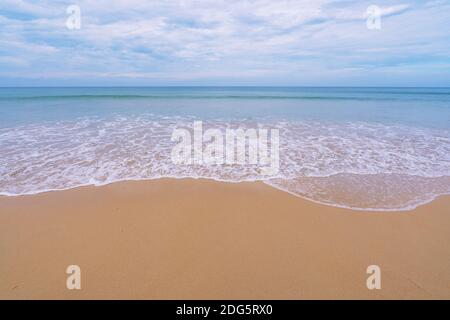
[[201, 239]]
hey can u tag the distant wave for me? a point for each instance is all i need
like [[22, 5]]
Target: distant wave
[[210, 97]]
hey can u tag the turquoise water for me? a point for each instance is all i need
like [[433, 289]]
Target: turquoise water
[[383, 148], [429, 107]]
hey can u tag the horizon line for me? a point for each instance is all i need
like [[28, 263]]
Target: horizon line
[[225, 86]]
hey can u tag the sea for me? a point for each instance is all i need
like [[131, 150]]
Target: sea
[[374, 149]]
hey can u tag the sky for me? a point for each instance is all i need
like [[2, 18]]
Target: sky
[[225, 42]]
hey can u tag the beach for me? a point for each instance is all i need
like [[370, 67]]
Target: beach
[[203, 239], [217, 150]]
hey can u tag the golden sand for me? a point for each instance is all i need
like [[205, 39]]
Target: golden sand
[[200, 239]]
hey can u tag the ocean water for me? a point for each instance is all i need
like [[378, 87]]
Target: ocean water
[[361, 148]]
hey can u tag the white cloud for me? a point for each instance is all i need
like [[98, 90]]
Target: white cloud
[[218, 38]]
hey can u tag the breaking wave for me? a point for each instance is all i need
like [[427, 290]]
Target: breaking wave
[[356, 165]]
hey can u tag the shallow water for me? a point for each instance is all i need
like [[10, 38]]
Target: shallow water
[[364, 148]]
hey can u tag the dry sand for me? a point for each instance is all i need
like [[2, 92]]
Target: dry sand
[[199, 239]]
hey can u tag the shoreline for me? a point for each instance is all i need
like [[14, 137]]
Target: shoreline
[[203, 239], [265, 182]]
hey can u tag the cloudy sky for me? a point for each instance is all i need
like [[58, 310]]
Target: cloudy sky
[[225, 42]]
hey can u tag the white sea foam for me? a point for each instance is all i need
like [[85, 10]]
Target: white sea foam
[[354, 164]]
